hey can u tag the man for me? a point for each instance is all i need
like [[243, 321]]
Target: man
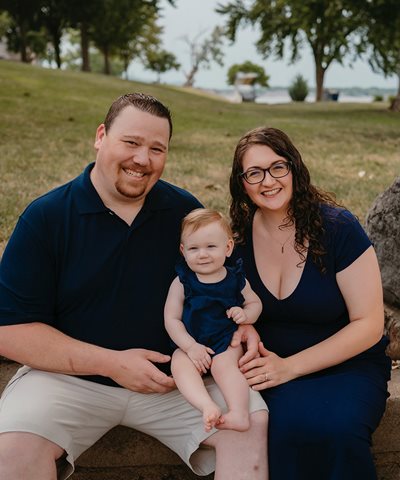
[[83, 282]]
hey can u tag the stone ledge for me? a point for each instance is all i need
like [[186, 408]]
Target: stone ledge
[[152, 472], [125, 454], [386, 439]]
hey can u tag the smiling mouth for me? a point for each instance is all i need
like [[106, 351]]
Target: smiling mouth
[[132, 173], [270, 193]]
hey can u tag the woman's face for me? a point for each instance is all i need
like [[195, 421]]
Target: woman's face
[[272, 194]]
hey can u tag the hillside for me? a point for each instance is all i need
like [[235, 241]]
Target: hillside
[[48, 121]]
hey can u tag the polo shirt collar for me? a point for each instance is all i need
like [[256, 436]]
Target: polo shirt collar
[[87, 200]]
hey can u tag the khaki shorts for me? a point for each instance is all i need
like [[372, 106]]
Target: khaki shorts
[[75, 413]]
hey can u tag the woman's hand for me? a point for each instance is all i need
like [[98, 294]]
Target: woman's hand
[[248, 335], [267, 371]]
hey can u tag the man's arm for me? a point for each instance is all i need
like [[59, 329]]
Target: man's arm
[[43, 347]]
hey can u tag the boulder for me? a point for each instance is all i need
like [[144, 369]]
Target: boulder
[[383, 228], [392, 331]]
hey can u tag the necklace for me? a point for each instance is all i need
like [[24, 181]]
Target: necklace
[[266, 230], [277, 241], [284, 243]]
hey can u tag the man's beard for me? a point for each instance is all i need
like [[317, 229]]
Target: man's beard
[[130, 193]]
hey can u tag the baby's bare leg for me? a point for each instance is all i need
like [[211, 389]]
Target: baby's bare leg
[[234, 387], [191, 385]]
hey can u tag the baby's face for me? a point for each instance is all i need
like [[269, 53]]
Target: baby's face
[[206, 249]]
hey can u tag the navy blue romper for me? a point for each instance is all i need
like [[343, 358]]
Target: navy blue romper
[[321, 424], [204, 310]]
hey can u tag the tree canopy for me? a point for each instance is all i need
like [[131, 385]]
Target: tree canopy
[[160, 61], [383, 40], [329, 27], [121, 28], [260, 78]]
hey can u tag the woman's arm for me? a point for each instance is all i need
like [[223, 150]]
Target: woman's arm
[[360, 285]]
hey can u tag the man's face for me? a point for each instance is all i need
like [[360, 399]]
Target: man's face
[[130, 156]]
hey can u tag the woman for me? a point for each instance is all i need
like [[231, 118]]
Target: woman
[[322, 367]]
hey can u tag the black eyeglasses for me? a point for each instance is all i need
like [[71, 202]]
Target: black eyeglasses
[[256, 174]]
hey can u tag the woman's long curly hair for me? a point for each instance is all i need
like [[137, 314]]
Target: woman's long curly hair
[[304, 208]]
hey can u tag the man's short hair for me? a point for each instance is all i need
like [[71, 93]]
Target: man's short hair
[[141, 101]]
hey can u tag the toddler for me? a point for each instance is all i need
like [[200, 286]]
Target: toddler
[[205, 304]]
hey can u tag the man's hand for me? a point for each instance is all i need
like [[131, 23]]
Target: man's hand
[[200, 356], [134, 369], [248, 335]]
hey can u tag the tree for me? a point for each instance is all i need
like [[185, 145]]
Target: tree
[[53, 14], [298, 89], [383, 36], [260, 77], [330, 27], [203, 53], [5, 23], [119, 24], [80, 16], [24, 35], [160, 61], [147, 39]]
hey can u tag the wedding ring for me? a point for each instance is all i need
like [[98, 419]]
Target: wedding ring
[[266, 377]]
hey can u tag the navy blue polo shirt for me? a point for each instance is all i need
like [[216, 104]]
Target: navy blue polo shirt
[[74, 264]]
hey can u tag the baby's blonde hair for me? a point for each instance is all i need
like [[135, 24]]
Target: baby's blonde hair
[[200, 217]]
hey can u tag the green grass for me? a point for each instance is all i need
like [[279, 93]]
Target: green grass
[[48, 121]]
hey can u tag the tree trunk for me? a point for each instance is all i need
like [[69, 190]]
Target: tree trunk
[[126, 65], [395, 105], [23, 47], [85, 48], [190, 77], [57, 50], [319, 80], [107, 66]]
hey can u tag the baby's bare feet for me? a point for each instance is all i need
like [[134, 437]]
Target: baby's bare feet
[[212, 416], [235, 420]]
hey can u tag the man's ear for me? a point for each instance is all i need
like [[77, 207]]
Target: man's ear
[[229, 247], [100, 133]]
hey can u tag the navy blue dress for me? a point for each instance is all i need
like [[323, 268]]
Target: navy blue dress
[[205, 306], [321, 424]]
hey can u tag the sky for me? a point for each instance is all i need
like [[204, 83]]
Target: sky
[[191, 18]]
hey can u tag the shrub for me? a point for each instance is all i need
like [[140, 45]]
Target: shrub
[[298, 89], [378, 98]]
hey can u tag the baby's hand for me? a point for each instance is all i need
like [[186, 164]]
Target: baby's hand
[[200, 356], [237, 314]]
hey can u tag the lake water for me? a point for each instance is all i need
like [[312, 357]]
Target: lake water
[[282, 96]]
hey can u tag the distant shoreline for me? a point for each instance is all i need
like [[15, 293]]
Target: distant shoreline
[[274, 95]]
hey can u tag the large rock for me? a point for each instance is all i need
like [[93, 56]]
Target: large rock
[[383, 228], [392, 330]]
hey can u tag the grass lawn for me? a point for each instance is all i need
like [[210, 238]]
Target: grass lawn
[[48, 121]]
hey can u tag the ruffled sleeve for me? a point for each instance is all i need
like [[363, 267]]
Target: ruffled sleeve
[[182, 270], [239, 272]]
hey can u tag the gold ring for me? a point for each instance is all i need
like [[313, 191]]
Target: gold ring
[[266, 377]]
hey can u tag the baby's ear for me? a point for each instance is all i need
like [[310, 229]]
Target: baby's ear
[[181, 248], [229, 247]]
